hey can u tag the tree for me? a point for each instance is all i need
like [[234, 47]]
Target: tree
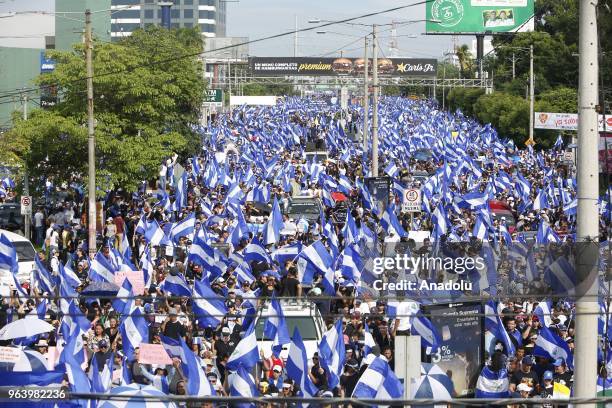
[[509, 114], [466, 61], [147, 98], [464, 99]]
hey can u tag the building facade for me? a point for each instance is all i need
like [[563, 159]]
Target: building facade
[[208, 15]]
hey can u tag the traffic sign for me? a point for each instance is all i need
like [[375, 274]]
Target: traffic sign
[[26, 205], [412, 200]]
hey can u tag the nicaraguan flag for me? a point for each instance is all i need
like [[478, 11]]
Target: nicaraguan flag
[[561, 276], [317, 260], [297, 366], [154, 234], [332, 353], [134, 330], [391, 224], [274, 225], [175, 285], [8, 255], [550, 345], [101, 269], [494, 324], [208, 307], [122, 301], [352, 264], [378, 381], [197, 383], [492, 384], [183, 228], [242, 384], [276, 327], [421, 326], [246, 353]]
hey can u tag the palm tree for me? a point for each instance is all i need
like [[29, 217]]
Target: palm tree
[[466, 60]]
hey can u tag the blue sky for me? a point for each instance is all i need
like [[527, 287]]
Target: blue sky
[[260, 18]]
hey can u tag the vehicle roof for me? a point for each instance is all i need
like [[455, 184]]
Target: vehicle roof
[[14, 237]]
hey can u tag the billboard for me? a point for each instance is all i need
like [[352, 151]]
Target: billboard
[[270, 66], [479, 16], [48, 94], [213, 96], [566, 121]]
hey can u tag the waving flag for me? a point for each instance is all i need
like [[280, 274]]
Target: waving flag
[[332, 353], [317, 260], [134, 330], [122, 300], [240, 231], [473, 200], [349, 231], [46, 282], [208, 307], [297, 366], [494, 325], [550, 345], [276, 327], [101, 269], [68, 277], [8, 255], [197, 383], [391, 224], [101, 379], [184, 228], [378, 381], [352, 264], [274, 225], [492, 384], [561, 276], [430, 339], [154, 235], [246, 353], [175, 285], [255, 252], [242, 384]]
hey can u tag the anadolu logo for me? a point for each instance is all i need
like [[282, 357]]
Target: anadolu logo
[[449, 12]]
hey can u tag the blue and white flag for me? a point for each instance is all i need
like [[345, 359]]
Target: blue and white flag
[[378, 381], [175, 285], [350, 231], [492, 384], [332, 353], [102, 269], [550, 345], [275, 327], [121, 303], [197, 383], [352, 264], [8, 255], [183, 228], [155, 235], [494, 325], [297, 366], [561, 276], [101, 379], [421, 326], [242, 384], [246, 353], [208, 307], [391, 224], [255, 252], [318, 260], [134, 330], [473, 200], [67, 276], [274, 225]]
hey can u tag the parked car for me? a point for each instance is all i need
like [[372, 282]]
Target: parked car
[[299, 313], [25, 258], [502, 211], [10, 217], [306, 207]]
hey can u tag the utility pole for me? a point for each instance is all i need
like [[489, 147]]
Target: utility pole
[[295, 38], [531, 97], [366, 97], [91, 229], [513, 66], [587, 225], [27, 221], [374, 104]]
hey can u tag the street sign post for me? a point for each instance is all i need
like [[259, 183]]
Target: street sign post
[[412, 200], [26, 205]]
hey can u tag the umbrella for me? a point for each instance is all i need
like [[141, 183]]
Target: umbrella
[[29, 361], [135, 392], [101, 289], [433, 383], [29, 326]]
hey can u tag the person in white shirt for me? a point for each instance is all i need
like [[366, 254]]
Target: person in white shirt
[[39, 227], [163, 171]]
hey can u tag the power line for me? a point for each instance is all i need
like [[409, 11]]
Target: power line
[[266, 38]]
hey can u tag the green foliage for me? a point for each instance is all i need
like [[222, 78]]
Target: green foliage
[[145, 101], [268, 89], [561, 99], [464, 99], [509, 114]]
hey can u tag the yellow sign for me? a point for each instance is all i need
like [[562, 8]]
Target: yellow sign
[[530, 142]]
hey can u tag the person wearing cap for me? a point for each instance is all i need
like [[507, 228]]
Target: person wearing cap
[[171, 327], [101, 355], [276, 380], [349, 377], [547, 386], [224, 344], [524, 390], [110, 230], [525, 375], [562, 374]]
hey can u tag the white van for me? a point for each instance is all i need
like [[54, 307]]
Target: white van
[[300, 313], [25, 258]]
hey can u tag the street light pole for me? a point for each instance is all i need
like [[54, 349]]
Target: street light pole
[[531, 93], [587, 219], [366, 97], [90, 139], [26, 182], [374, 104], [295, 38]]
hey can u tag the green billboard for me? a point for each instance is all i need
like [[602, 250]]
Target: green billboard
[[213, 96], [479, 16]]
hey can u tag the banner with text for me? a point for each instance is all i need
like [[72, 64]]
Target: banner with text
[[264, 66], [567, 121]]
